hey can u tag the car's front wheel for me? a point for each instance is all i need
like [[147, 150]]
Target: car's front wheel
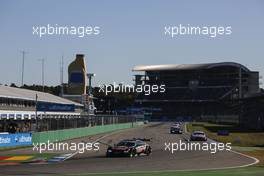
[[132, 153], [108, 154]]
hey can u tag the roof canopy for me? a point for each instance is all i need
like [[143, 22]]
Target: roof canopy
[[187, 66], [25, 94]]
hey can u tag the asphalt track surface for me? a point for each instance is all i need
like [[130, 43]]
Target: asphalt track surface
[[96, 162]]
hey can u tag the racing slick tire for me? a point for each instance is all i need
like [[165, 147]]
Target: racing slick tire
[[148, 151], [132, 153]]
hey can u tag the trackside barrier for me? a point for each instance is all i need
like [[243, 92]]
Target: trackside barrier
[[60, 135], [18, 139]]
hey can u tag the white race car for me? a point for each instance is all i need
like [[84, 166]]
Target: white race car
[[175, 129], [198, 136]]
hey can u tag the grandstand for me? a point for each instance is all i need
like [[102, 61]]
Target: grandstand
[[208, 90], [252, 111], [20, 109]]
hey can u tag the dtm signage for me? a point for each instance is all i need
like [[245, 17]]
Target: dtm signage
[[18, 139], [55, 107]]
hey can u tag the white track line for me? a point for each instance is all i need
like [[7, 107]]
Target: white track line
[[181, 170], [114, 132], [159, 171], [256, 161]]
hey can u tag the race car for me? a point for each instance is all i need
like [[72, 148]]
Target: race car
[[146, 121], [177, 123], [198, 136], [129, 147], [175, 129]]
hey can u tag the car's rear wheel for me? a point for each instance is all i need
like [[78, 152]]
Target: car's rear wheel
[[132, 153], [148, 151]]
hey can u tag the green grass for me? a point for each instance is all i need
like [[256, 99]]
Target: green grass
[[237, 136], [248, 171], [259, 154]]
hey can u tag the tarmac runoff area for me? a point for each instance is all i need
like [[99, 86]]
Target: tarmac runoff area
[[159, 160]]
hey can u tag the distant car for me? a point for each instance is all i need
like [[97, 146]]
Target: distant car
[[146, 121], [129, 148], [198, 136], [175, 129], [177, 123], [223, 133]]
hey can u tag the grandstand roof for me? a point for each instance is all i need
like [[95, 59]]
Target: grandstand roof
[[25, 94], [187, 66]]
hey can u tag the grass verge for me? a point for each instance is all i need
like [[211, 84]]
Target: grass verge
[[259, 154], [237, 136], [248, 171]]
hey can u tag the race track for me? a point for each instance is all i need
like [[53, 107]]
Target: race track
[[96, 162]]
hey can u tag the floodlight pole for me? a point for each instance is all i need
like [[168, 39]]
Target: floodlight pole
[[36, 111], [23, 66], [240, 94], [90, 76], [240, 83], [42, 65], [61, 74]]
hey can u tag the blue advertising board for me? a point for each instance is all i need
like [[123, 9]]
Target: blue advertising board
[[19, 139], [55, 107]]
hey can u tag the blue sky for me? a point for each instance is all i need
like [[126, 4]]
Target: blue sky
[[132, 33]]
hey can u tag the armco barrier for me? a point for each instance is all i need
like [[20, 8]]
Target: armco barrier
[[60, 135]]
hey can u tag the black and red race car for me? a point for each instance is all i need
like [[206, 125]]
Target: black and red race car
[[129, 147]]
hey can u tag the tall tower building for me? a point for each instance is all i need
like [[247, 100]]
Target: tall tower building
[[77, 79]]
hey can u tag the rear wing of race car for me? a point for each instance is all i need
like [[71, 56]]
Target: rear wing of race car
[[143, 139], [104, 143], [133, 139], [140, 139]]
